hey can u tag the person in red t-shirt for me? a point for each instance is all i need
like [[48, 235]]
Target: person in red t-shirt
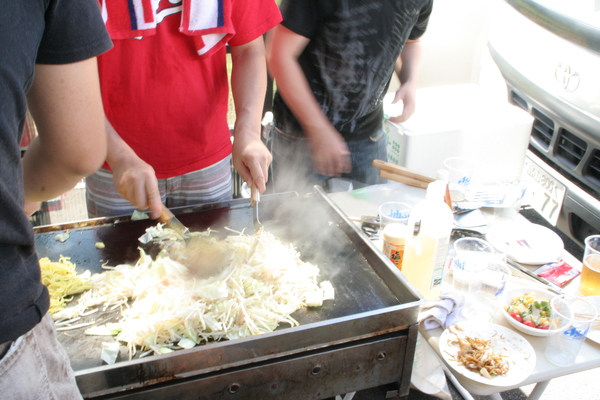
[[165, 92]]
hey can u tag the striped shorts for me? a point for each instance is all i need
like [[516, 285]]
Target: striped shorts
[[208, 185]]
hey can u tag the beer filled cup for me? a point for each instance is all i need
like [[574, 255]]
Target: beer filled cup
[[590, 272]]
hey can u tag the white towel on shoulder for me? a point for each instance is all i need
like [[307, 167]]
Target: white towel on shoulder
[[207, 21]]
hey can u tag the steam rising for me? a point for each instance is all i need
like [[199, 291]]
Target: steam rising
[[305, 224]]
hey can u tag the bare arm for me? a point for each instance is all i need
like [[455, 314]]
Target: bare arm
[[134, 179], [407, 68], [66, 105], [251, 157], [329, 152]]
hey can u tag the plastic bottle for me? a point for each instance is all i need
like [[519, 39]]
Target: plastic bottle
[[425, 251], [394, 236]]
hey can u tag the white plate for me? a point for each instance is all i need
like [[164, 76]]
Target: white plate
[[526, 243], [519, 353], [594, 333]]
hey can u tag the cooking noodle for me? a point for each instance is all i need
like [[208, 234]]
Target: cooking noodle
[[62, 281]]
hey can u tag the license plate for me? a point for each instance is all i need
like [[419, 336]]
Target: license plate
[[544, 193]]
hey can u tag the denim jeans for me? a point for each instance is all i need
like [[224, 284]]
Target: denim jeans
[[292, 170]]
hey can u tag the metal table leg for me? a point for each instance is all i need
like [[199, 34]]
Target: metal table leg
[[538, 389]]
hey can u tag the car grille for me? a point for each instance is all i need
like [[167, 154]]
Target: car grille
[[592, 172], [570, 149], [543, 129], [566, 153]]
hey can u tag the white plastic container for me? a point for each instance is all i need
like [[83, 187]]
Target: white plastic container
[[461, 121], [425, 252]]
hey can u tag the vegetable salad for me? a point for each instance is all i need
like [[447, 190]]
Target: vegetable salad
[[529, 311]]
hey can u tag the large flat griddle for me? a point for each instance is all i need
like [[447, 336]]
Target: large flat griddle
[[373, 304]]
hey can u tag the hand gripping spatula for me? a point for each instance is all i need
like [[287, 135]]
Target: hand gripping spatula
[[171, 221]]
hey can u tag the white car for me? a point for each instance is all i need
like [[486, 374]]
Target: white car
[[548, 52]]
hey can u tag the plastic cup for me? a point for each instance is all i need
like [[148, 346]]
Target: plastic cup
[[590, 271], [493, 283], [460, 171], [471, 257], [394, 212], [571, 319], [510, 194], [494, 278], [481, 273]]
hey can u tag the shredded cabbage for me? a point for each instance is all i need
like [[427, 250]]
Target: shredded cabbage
[[110, 352], [166, 307], [62, 237]]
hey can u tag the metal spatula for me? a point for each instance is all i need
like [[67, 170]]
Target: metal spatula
[[171, 221], [203, 256], [254, 200]]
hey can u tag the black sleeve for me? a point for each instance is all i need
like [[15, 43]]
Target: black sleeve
[[419, 28], [304, 17], [74, 32]]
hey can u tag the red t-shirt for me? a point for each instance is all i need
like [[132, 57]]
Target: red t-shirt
[[169, 104]]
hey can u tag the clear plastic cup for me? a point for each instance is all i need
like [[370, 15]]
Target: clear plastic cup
[[493, 283], [511, 192], [460, 171], [572, 318], [481, 274], [471, 258], [590, 271], [394, 212]]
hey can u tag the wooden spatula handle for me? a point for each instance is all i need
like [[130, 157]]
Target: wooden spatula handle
[[165, 216], [254, 195]]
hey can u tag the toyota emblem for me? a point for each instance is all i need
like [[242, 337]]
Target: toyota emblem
[[567, 77]]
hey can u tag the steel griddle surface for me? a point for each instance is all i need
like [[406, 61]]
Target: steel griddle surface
[[319, 233]]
